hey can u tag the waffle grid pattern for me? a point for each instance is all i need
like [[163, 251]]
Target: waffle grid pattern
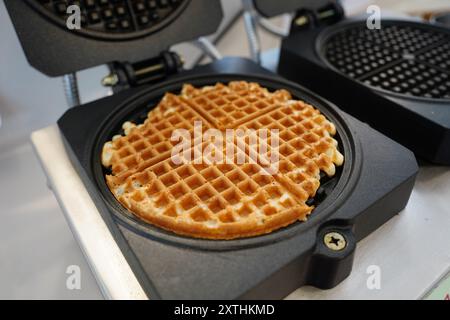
[[140, 149], [230, 199], [228, 106], [306, 146]]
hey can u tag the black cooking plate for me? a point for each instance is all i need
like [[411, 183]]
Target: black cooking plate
[[403, 58], [333, 191], [103, 18]]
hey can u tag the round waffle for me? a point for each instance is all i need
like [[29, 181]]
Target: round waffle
[[228, 199]]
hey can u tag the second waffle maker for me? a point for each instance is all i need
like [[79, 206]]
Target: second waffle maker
[[396, 78]]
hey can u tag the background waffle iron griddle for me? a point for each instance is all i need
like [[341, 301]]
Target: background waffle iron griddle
[[397, 79], [373, 185]]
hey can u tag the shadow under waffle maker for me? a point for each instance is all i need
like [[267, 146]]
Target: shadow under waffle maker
[[397, 78], [372, 186]]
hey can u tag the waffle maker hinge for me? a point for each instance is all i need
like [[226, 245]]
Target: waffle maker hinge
[[326, 15], [124, 75]]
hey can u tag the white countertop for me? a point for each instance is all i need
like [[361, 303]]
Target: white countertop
[[412, 250]]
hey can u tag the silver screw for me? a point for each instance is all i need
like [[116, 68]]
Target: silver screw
[[335, 241]]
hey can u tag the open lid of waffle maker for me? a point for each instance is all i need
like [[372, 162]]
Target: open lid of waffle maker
[[395, 78], [372, 186], [111, 31]]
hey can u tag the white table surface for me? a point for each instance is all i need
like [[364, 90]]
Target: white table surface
[[412, 250]]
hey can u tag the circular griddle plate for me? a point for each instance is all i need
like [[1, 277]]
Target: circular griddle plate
[[114, 19], [403, 58], [333, 191]]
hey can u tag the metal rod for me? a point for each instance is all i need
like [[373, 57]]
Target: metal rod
[[149, 69], [208, 48], [250, 28], [71, 90]]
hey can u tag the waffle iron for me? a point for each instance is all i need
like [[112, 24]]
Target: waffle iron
[[373, 185], [397, 78]]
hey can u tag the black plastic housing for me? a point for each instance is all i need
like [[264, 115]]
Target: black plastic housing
[[55, 50], [375, 184], [422, 125], [271, 8]]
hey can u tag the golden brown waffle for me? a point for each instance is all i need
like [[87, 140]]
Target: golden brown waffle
[[306, 146], [226, 107], [150, 142], [222, 201]]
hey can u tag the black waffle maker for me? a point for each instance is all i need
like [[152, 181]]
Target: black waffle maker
[[397, 78], [373, 185]]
